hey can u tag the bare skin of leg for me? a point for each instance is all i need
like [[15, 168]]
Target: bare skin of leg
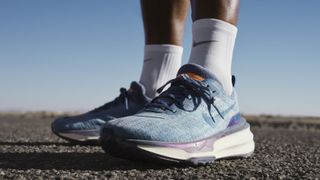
[[226, 10], [164, 20]]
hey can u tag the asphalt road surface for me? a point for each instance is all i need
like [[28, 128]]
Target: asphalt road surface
[[286, 148]]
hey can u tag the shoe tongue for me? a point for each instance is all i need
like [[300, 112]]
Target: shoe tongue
[[196, 72], [137, 88]]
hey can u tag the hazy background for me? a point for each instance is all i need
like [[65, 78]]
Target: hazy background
[[74, 55]]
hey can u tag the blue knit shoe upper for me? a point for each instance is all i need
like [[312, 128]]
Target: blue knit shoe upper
[[87, 126], [194, 107]]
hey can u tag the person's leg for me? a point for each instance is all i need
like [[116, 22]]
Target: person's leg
[[164, 25], [214, 34]]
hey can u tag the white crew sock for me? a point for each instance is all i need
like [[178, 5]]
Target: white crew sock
[[213, 48], [161, 64]]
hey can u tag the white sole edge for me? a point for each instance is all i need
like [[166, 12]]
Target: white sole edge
[[78, 137], [238, 144]]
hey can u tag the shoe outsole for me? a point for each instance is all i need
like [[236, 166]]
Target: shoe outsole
[[128, 150], [125, 150], [75, 141]]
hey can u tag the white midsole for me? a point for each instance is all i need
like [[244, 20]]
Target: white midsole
[[78, 137], [239, 143]]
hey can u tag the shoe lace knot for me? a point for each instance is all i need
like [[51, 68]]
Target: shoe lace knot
[[181, 88]]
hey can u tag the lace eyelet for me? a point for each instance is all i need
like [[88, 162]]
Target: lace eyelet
[[189, 96]]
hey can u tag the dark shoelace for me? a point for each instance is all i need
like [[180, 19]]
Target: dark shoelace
[[123, 97], [183, 87]]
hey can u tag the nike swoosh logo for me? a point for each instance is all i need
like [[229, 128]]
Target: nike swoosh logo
[[223, 113], [203, 42], [148, 116]]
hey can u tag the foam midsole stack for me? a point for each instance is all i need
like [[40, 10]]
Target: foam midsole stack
[[239, 143]]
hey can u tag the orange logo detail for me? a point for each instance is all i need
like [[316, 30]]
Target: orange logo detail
[[195, 76]]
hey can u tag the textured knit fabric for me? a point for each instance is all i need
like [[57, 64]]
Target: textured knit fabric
[[213, 44], [161, 63], [128, 103], [189, 110]]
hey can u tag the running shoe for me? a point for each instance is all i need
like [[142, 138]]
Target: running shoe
[[192, 122], [85, 128]]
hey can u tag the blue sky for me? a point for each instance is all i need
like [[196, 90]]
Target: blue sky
[[75, 55]]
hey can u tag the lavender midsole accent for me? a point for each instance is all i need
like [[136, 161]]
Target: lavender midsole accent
[[191, 145], [235, 141], [236, 119]]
